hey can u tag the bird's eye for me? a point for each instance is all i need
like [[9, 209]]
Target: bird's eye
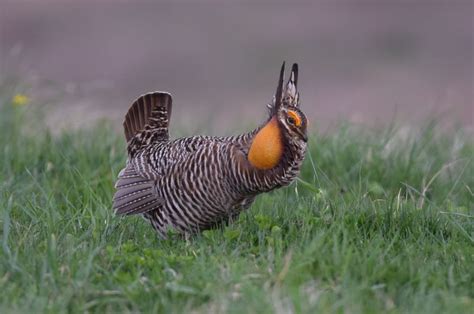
[[293, 118]]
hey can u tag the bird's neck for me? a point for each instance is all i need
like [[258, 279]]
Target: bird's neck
[[266, 149]]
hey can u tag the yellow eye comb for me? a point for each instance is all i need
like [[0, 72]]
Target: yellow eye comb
[[295, 117]]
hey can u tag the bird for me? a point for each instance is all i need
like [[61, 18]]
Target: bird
[[195, 183]]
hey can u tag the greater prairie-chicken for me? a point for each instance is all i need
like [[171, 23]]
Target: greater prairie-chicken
[[194, 183]]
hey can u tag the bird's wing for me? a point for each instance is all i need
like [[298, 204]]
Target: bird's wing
[[136, 194]]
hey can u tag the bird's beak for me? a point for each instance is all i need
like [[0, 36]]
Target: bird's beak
[[303, 136]]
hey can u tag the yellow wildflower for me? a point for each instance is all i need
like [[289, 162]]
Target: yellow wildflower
[[20, 100]]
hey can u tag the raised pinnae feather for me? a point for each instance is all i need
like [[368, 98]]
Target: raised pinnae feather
[[287, 96], [291, 96], [278, 97], [294, 74], [279, 91]]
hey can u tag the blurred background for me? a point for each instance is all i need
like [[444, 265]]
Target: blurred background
[[368, 62]]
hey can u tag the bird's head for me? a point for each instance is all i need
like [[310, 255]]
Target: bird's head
[[286, 107], [286, 127]]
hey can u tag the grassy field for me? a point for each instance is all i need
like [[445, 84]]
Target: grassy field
[[381, 220]]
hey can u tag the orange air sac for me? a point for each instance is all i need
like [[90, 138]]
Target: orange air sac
[[267, 146]]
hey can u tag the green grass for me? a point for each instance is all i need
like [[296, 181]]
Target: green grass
[[382, 220]]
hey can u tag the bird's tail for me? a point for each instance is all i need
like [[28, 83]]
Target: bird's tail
[[147, 120]]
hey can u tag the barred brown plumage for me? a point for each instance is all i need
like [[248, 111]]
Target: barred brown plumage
[[194, 183]]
